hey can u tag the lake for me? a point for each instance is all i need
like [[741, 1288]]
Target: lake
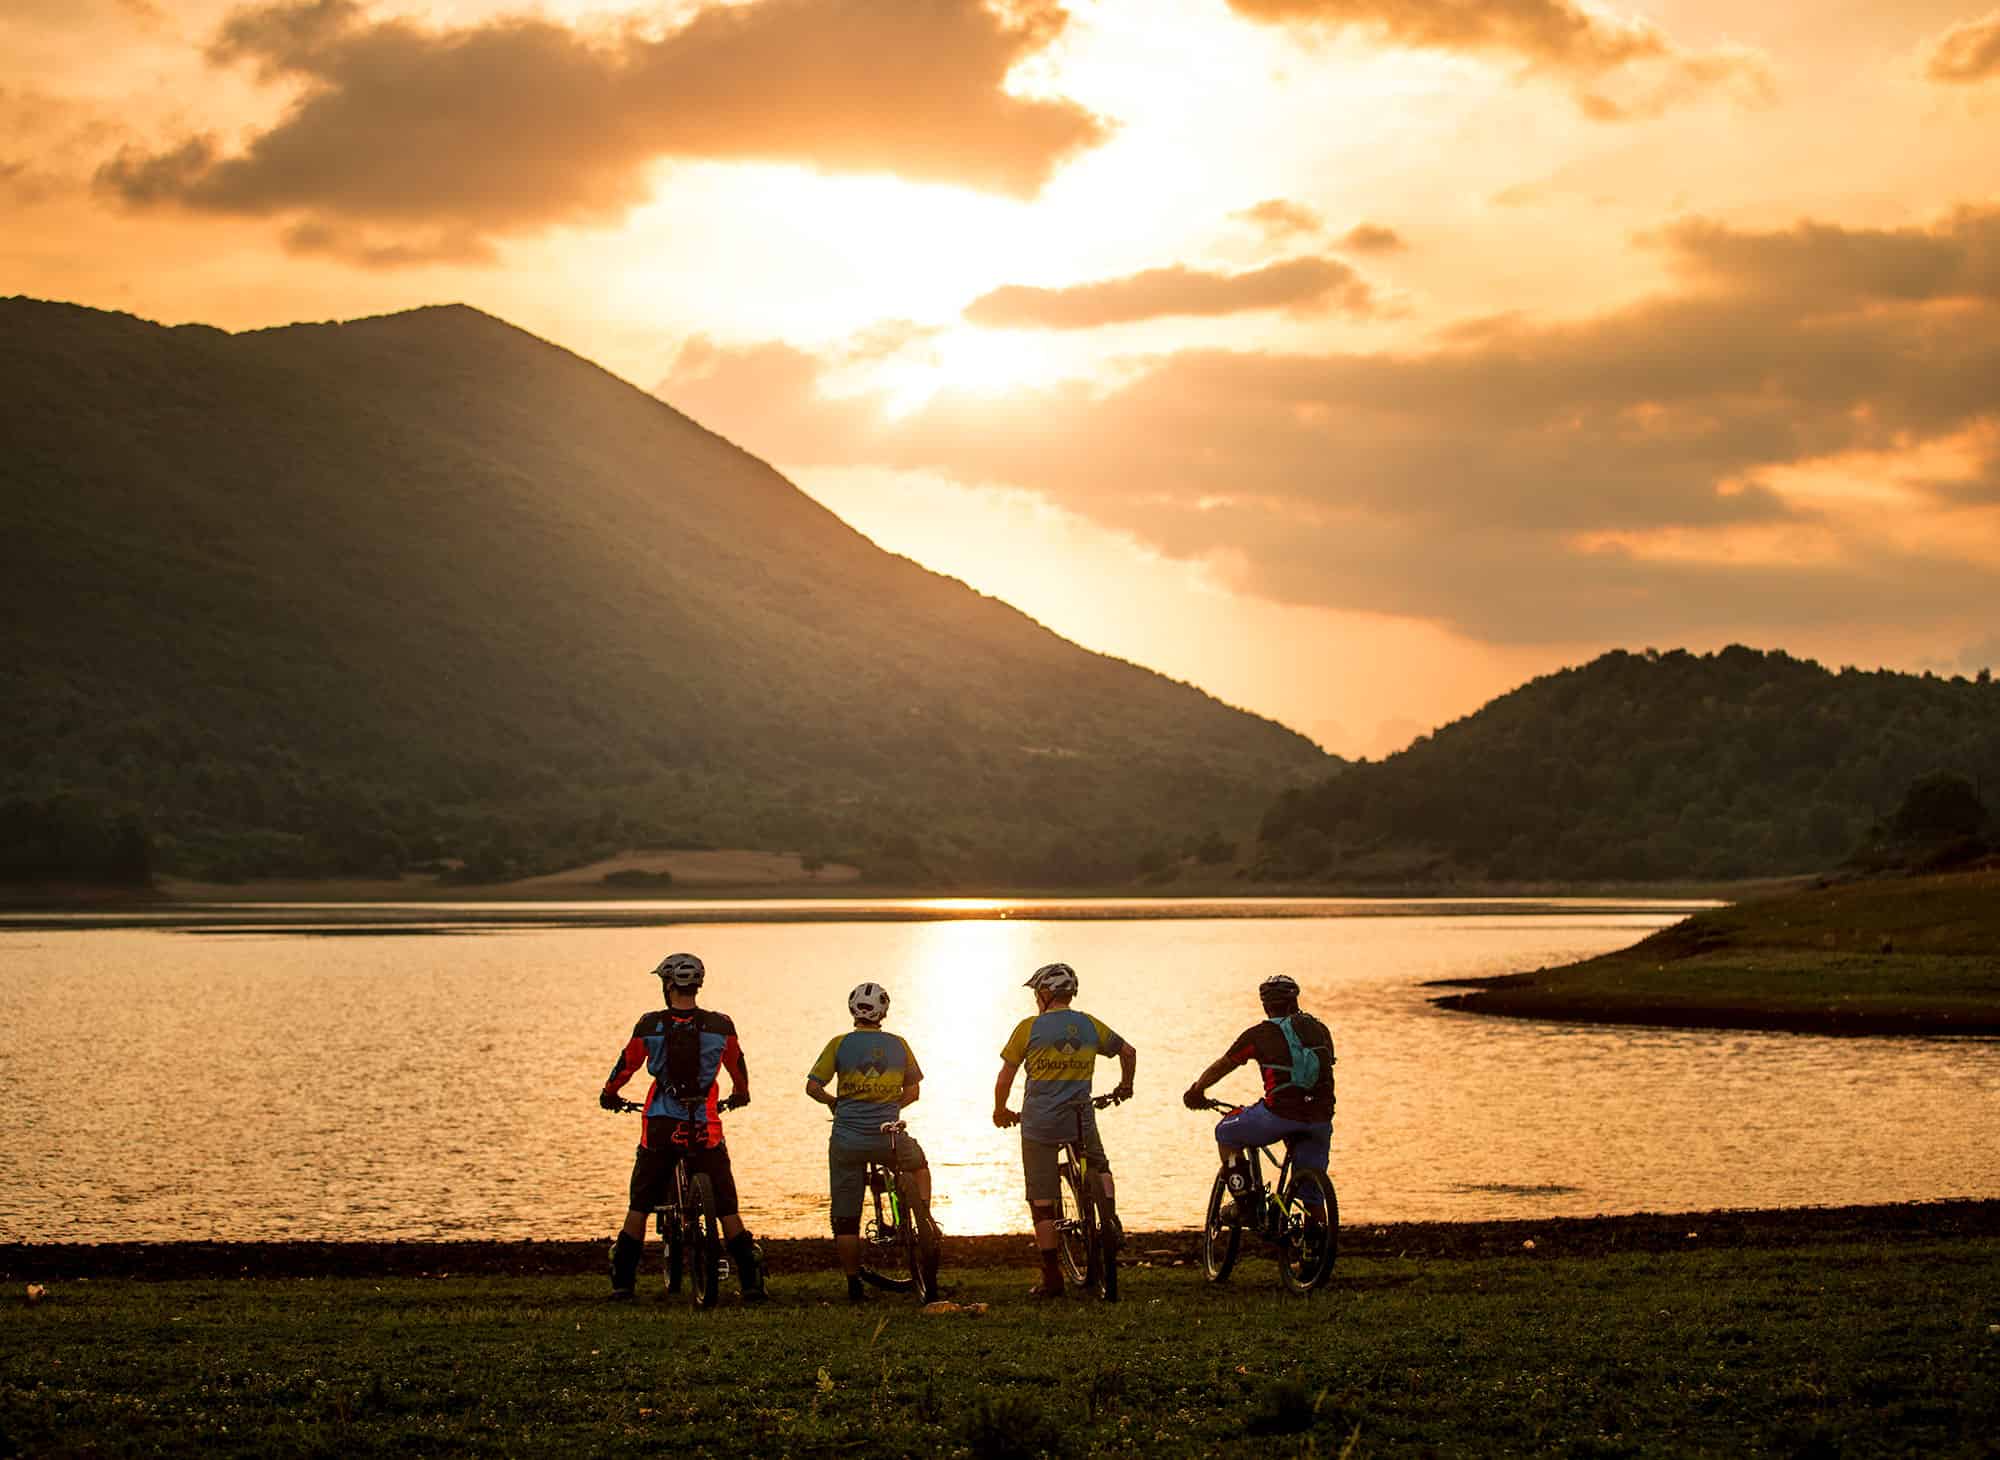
[[432, 1071]]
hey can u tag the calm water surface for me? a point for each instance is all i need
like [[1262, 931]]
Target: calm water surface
[[236, 1077]]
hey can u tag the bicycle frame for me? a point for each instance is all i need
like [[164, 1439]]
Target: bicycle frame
[[1307, 1240], [679, 1221], [885, 1179], [905, 1221], [1074, 1171]]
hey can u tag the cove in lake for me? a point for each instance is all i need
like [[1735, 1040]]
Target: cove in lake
[[232, 1073]]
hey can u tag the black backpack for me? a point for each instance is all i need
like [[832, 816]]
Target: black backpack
[[680, 1070]]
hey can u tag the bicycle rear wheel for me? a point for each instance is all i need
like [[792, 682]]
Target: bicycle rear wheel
[[1075, 1231], [1312, 1231], [1220, 1237], [1107, 1260], [704, 1243], [918, 1234], [668, 1221]]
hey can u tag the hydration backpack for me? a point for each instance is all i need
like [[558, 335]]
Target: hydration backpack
[[681, 1072], [1305, 1062]]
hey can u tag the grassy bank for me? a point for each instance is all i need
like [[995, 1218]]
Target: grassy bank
[[1838, 1347], [1887, 956]]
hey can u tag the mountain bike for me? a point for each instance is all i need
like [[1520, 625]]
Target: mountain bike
[[1086, 1242], [689, 1227], [900, 1231], [1300, 1216]]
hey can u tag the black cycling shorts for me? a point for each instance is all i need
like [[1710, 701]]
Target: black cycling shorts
[[653, 1175]]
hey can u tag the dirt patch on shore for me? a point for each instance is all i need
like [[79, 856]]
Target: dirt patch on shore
[[1454, 1241]]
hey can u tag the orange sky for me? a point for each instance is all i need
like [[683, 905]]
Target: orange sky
[[1354, 359]]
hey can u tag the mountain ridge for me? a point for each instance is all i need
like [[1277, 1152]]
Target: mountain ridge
[[459, 590], [1740, 763]]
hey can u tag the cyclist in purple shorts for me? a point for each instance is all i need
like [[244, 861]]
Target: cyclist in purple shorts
[[1294, 1051]]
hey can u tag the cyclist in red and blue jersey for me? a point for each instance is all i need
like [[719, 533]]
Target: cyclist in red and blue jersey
[[877, 1075], [685, 1048], [1060, 1047], [1294, 1052]]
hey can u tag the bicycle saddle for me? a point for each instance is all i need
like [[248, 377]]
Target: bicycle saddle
[[894, 1127]]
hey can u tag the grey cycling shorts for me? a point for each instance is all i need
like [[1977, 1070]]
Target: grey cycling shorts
[[1040, 1158], [847, 1172]]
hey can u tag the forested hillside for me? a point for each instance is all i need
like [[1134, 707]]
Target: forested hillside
[[348, 598], [1646, 765]]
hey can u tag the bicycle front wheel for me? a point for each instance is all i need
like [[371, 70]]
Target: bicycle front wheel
[[1220, 1237], [704, 1243], [1075, 1231], [1312, 1231]]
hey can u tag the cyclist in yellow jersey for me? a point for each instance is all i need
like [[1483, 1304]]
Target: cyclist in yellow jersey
[[1060, 1047]]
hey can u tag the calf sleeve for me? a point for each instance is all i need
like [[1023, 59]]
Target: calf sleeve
[[625, 1263], [749, 1262]]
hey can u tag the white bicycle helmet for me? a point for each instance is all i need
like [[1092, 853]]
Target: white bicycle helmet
[[1057, 980], [868, 1002], [682, 971]]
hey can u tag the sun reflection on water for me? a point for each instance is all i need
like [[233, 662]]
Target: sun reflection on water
[[961, 1003]]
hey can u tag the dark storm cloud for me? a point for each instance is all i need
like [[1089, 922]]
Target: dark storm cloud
[[432, 141], [1300, 285], [1506, 480], [1967, 53], [1552, 36]]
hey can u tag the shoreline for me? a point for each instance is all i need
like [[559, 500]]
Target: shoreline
[[1514, 996], [1899, 957], [416, 917], [1593, 1237], [177, 896]]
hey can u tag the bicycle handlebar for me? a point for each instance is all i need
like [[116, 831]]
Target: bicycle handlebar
[[1099, 1102], [621, 1106]]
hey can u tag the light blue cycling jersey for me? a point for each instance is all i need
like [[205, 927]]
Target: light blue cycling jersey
[[873, 1068]]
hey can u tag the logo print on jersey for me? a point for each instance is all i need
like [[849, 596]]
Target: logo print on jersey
[[1070, 1043], [875, 1065]]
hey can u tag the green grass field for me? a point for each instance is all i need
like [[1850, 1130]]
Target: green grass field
[[1885, 956], [1840, 1348]]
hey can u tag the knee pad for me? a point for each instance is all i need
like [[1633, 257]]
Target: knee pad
[[847, 1226]]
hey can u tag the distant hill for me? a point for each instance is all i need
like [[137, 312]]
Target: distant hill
[[1640, 766], [347, 598]]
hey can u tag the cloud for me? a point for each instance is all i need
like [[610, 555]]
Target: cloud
[[429, 142], [1281, 220], [1969, 52], [1551, 36], [1822, 267], [1297, 286], [1372, 238], [1654, 471]]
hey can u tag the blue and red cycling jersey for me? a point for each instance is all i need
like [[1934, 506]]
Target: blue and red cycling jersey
[[684, 1050]]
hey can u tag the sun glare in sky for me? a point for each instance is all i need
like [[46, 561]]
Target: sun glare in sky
[[1449, 312]]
